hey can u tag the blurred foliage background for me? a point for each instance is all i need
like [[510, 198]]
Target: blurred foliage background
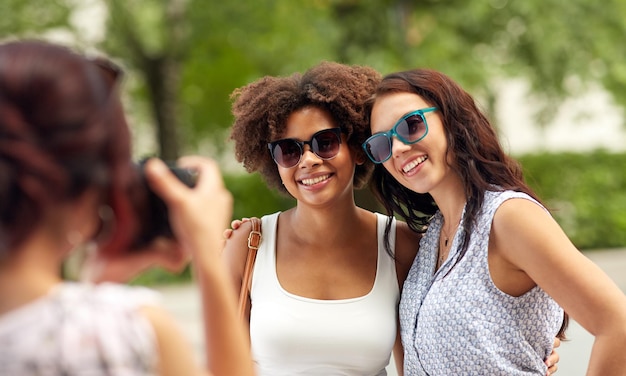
[[183, 58]]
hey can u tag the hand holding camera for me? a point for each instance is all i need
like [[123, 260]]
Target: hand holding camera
[[151, 211], [181, 211], [197, 216]]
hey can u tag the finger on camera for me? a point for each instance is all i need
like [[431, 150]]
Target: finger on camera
[[209, 175], [162, 181], [207, 169]]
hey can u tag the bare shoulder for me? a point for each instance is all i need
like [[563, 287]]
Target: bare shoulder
[[407, 245], [514, 205], [523, 229], [407, 242], [236, 249], [517, 214]]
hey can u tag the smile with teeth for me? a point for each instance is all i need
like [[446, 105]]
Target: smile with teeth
[[415, 163], [315, 180]]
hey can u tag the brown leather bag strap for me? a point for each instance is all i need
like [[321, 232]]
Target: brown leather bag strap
[[254, 239]]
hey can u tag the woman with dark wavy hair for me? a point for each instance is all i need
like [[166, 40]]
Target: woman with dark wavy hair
[[66, 179], [485, 292]]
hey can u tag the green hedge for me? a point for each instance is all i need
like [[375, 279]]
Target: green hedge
[[253, 198], [586, 194]]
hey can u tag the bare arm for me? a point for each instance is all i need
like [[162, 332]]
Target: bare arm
[[198, 217], [398, 353], [536, 247], [175, 351], [234, 257], [407, 244]]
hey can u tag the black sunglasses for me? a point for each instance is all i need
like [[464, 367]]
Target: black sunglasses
[[287, 152]]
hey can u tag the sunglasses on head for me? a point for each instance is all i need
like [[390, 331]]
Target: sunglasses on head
[[410, 129], [287, 152], [111, 72]]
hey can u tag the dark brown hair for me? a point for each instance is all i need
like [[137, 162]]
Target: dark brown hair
[[62, 131], [261, 110], [473, 149]]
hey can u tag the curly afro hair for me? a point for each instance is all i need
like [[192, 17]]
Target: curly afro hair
[[261, 109]]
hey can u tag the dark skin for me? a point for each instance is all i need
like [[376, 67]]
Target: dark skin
[[341, 264]]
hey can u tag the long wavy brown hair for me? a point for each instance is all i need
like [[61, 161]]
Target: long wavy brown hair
[[473, 149]]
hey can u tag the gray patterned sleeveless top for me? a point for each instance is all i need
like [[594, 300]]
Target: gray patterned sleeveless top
[[460, 323]]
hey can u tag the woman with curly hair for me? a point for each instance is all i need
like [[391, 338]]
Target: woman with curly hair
[[324, 292], [485, 292]]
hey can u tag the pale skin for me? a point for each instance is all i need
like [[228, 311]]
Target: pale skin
[[342, 263], [35, 268], [526, 246]]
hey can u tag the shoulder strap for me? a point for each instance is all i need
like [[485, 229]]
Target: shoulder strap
[[254, 239]]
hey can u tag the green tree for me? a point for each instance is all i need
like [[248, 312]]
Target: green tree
[[151, 38], [191, 54], [30, 18], [559, 46], [188, 55], [223, 45]]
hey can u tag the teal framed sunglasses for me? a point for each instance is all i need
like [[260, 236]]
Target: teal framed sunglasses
[[411, 128]]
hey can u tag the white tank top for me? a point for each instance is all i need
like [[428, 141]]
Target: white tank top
[[294, 335]]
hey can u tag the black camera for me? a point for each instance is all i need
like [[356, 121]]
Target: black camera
[[151, 211]]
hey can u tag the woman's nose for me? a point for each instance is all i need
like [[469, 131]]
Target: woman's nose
[[309, 158]]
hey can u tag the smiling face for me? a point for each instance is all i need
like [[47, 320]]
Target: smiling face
[[315, 180], [422, 166]]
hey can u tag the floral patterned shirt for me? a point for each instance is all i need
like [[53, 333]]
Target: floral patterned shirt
[[455, 321], [80, 329]]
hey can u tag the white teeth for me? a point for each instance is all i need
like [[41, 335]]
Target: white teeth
[[315, 180], [414, 164]]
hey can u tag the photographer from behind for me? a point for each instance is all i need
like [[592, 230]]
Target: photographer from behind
[[67, 182]]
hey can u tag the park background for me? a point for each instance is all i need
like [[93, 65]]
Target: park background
[[550, 73]]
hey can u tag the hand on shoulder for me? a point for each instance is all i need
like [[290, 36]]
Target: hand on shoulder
[[235, 224]]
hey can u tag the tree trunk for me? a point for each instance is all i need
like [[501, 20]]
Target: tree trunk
[[161, 70], [163, 78]]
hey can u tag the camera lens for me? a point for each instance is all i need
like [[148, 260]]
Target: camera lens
[[151, 211]]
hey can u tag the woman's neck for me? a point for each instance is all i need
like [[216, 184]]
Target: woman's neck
[[450, 199], [317, 225], [29, 274]]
